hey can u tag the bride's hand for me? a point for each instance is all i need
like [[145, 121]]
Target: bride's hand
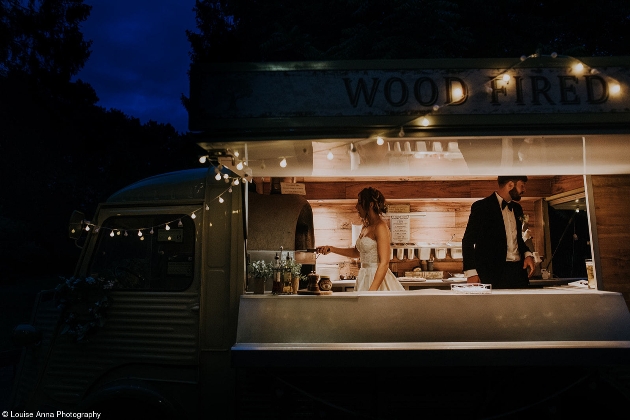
[[323, 249]]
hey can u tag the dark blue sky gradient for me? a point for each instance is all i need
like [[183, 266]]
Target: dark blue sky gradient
[[140, 56]]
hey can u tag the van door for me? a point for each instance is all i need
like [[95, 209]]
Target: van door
[[145, 259]]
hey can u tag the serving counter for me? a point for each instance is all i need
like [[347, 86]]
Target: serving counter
[[514, 327]]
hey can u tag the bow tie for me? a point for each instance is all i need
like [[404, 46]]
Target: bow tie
[[505, 204]]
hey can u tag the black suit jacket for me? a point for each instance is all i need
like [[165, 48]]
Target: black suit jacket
[[484, 245]]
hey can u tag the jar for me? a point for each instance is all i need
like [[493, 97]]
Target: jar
[[313, 279], [325, 283]]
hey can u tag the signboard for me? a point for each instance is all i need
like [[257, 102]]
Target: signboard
[[400, 228], [292, 188], [267, 94]]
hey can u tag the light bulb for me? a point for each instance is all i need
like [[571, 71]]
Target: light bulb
[[151, 231], [202, 159], [225, 176], [380, 141], [330, 155], [112, 234], [221, 200], [180, 224], [235, 182], [436, 107], [615, 88], [458, 93], [506, 77], [193, 215], [139, 233], [236, 154], [578, 67], [118, 232], [217, 177], [283, 163], [167, 227], [401, 133], [425, 122], [87, 228], [239, 166], [262, 165]]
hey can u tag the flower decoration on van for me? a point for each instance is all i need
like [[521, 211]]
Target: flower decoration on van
[[83, 302]]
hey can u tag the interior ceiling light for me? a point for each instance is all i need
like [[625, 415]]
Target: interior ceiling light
[[330, 155]]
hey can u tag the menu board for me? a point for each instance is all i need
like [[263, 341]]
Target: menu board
[[399, 228]]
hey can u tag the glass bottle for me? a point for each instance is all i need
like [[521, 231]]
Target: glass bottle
[[276, 287], [286, 276]]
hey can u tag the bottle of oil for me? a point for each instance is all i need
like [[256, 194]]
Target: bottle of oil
[[276, 287]]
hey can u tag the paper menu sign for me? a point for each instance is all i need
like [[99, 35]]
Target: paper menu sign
[[399, 228]]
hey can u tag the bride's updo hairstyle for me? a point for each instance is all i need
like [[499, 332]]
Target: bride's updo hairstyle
[[372, 195]]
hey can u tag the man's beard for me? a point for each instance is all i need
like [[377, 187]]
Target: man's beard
[[515, 195]]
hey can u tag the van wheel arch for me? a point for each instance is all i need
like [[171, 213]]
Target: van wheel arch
[[130, 400]]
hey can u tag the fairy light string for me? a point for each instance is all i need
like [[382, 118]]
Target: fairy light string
[[143, 231]]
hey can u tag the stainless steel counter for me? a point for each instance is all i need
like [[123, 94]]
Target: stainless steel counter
[[555, 325]]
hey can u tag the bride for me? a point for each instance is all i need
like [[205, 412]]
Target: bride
[[372, 246]]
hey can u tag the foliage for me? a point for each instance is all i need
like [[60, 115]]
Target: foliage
[[260, 269], [293, 266], [45, 40], [83, 302], [258, 31]]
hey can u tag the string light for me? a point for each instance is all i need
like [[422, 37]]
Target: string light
[[283, 163], [380, 141], [239, 166]]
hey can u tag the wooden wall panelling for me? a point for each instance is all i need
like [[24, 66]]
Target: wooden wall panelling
[[564, 183], [611, 202], [418, 190]]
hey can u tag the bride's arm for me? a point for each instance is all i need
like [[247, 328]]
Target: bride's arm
[[346, 252], [383, 249]]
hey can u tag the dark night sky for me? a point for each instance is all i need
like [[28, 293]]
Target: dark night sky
[[140, 56]]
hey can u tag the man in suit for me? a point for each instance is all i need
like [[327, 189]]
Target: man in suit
[[493, 248]]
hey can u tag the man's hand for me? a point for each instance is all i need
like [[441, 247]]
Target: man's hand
[[529, 262], [473, 279]]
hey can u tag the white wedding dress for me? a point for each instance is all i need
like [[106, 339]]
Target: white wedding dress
[[369, 263]]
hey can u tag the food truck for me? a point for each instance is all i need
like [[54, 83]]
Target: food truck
[[162, 317]]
